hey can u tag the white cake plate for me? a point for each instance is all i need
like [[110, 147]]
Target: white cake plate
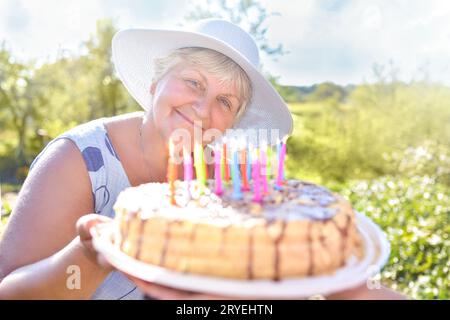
[[354, 273]]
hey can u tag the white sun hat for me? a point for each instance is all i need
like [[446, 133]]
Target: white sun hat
[[133, 52]]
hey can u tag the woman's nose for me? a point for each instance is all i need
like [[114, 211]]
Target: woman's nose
[[202, 108]]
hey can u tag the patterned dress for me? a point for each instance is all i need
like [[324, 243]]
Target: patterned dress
[[108, 179]]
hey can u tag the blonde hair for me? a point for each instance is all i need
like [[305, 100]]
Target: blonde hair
[[219, 65]]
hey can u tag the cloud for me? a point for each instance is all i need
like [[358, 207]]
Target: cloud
[[38, 29], [45, 26], [340, 41]]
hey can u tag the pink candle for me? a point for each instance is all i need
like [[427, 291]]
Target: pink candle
[[256, 176], [281, 164], [217, 172], [245, 186], [171, 172], [226, 173], [188, 171], [265, 188]]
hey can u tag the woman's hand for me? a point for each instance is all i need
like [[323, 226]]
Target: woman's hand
[[84, 225]]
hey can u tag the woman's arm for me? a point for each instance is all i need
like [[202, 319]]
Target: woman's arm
[[40, 250]]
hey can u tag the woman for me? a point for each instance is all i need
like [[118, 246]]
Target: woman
[[207, 79]]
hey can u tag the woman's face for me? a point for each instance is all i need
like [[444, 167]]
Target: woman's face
[[189, 96]]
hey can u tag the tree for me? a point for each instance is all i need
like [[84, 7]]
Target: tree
[[248, 14], [329, 92], [107, 95], [19, 98]]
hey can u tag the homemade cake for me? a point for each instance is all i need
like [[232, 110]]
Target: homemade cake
[[301, 230]]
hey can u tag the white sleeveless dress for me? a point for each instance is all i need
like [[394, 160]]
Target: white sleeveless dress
[[108, 179]]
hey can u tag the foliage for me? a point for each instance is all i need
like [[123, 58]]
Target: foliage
[[37, 103], [415, 214], [366, 136]]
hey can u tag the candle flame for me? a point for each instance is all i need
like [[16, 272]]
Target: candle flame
[[171, 148]]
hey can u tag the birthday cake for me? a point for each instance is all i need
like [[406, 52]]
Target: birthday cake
[[298, 230]]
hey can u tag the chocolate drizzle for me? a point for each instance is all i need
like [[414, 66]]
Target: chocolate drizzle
[[222, 240], [250, 255], [193, 233], [166, 243], [127, 228], [344, 234], [277, 258], [141, 238]]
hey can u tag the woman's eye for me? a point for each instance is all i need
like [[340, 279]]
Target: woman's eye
[[194, 83], [226, 103]]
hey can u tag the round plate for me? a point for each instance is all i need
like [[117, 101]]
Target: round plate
[[355, 272]]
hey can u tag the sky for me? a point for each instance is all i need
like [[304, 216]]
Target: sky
[[326, 40]]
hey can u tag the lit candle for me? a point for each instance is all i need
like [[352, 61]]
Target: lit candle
[[199, 165], [256, 175], [237, 194], [276, 158], [205, 168], [269, 163], [282, 156], [226, 168], [265, 188], [171, 172], [217, 174], [249, 163], [188, 173], [243, 165]]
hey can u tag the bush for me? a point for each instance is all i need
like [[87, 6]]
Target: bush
[[415, 214], [428, 159]]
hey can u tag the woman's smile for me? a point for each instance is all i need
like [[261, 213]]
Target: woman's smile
[[187, 119]]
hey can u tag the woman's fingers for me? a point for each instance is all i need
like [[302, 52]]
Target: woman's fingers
[[84, 225], [86, 222]]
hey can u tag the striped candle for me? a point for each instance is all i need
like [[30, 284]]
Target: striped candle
[[256, 175], [265, 189], [225, 166], [282, 156], [269, 163], [188, 171], [236, 179], [199, 163], [171, 172], [249, 163], [217, 172]]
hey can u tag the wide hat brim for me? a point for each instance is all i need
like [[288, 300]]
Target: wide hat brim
[[133, 52]]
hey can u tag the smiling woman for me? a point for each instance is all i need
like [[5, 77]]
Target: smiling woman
[[208, 77]]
